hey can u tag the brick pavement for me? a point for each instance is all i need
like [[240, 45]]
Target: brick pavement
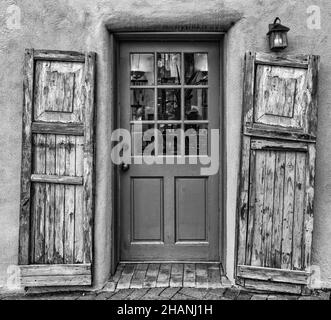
[[168, 293]]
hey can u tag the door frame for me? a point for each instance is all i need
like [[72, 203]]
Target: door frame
[[115, 40]]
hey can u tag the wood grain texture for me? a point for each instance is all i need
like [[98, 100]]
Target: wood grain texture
[[69, 194], [263, 131], [287, 233], [281, 172], [275, 275], [79, 205], [309, 205], [248, 98], [48, 178], [25, 201], [58, 128], [273, 286], [39, 201], [280, 97], [298, 214], [56, 55], [56, 275], [242, 213], [89, 175], [58, 92], [313, 71], [55, 270], [59, 200], [59, 163], [268, 208], [294, 61], [277, 145], [259, 186], [276, 242], [50, 199]]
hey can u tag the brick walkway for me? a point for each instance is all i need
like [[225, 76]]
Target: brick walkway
[[169, 293]]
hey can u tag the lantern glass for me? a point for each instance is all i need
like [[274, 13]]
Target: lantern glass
[[278, 40]]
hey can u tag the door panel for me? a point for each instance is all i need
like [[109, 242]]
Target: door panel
[[169, 211], [191, 209], [147, 227]]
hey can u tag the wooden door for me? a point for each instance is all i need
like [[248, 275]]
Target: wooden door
[[275, 204], [56, 219], [169, 211]]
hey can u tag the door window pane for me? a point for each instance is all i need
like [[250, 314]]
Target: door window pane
[[196, 139], [196, 68], [142, 104], [142, 136], [168, 68], [196, 104], [168, 104], [142, 69], [171, 137]]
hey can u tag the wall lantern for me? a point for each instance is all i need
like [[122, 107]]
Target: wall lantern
[[277, 35]]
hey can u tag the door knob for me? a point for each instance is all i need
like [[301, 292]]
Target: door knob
[[125, 167]]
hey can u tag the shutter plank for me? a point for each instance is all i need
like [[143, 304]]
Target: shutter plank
[[58, 128], [251, 216], [89, 154], [79, 219], [273, 286], [299, 192], [257, 255], [50, 200], [270, 274], [268, 209], [276, 241], [309, 205], [69, 212], [59, 200], [39, 166], [47, 178], [248, 99], [25, 228], [55, 275], [288, 211], [243, 200]]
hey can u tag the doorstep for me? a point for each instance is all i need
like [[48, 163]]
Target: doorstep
[[163, 275]]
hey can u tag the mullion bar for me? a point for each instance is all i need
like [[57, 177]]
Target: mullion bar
[[156, 136], [182, 83]]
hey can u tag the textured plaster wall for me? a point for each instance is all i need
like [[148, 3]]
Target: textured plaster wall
[[80, 25]]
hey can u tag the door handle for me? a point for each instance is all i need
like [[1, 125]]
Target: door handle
[[125, 167]]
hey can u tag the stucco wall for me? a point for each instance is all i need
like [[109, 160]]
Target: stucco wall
[[79, 25]]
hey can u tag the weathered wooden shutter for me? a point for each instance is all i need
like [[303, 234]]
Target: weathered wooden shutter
[[56, 215], [275, 200]]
